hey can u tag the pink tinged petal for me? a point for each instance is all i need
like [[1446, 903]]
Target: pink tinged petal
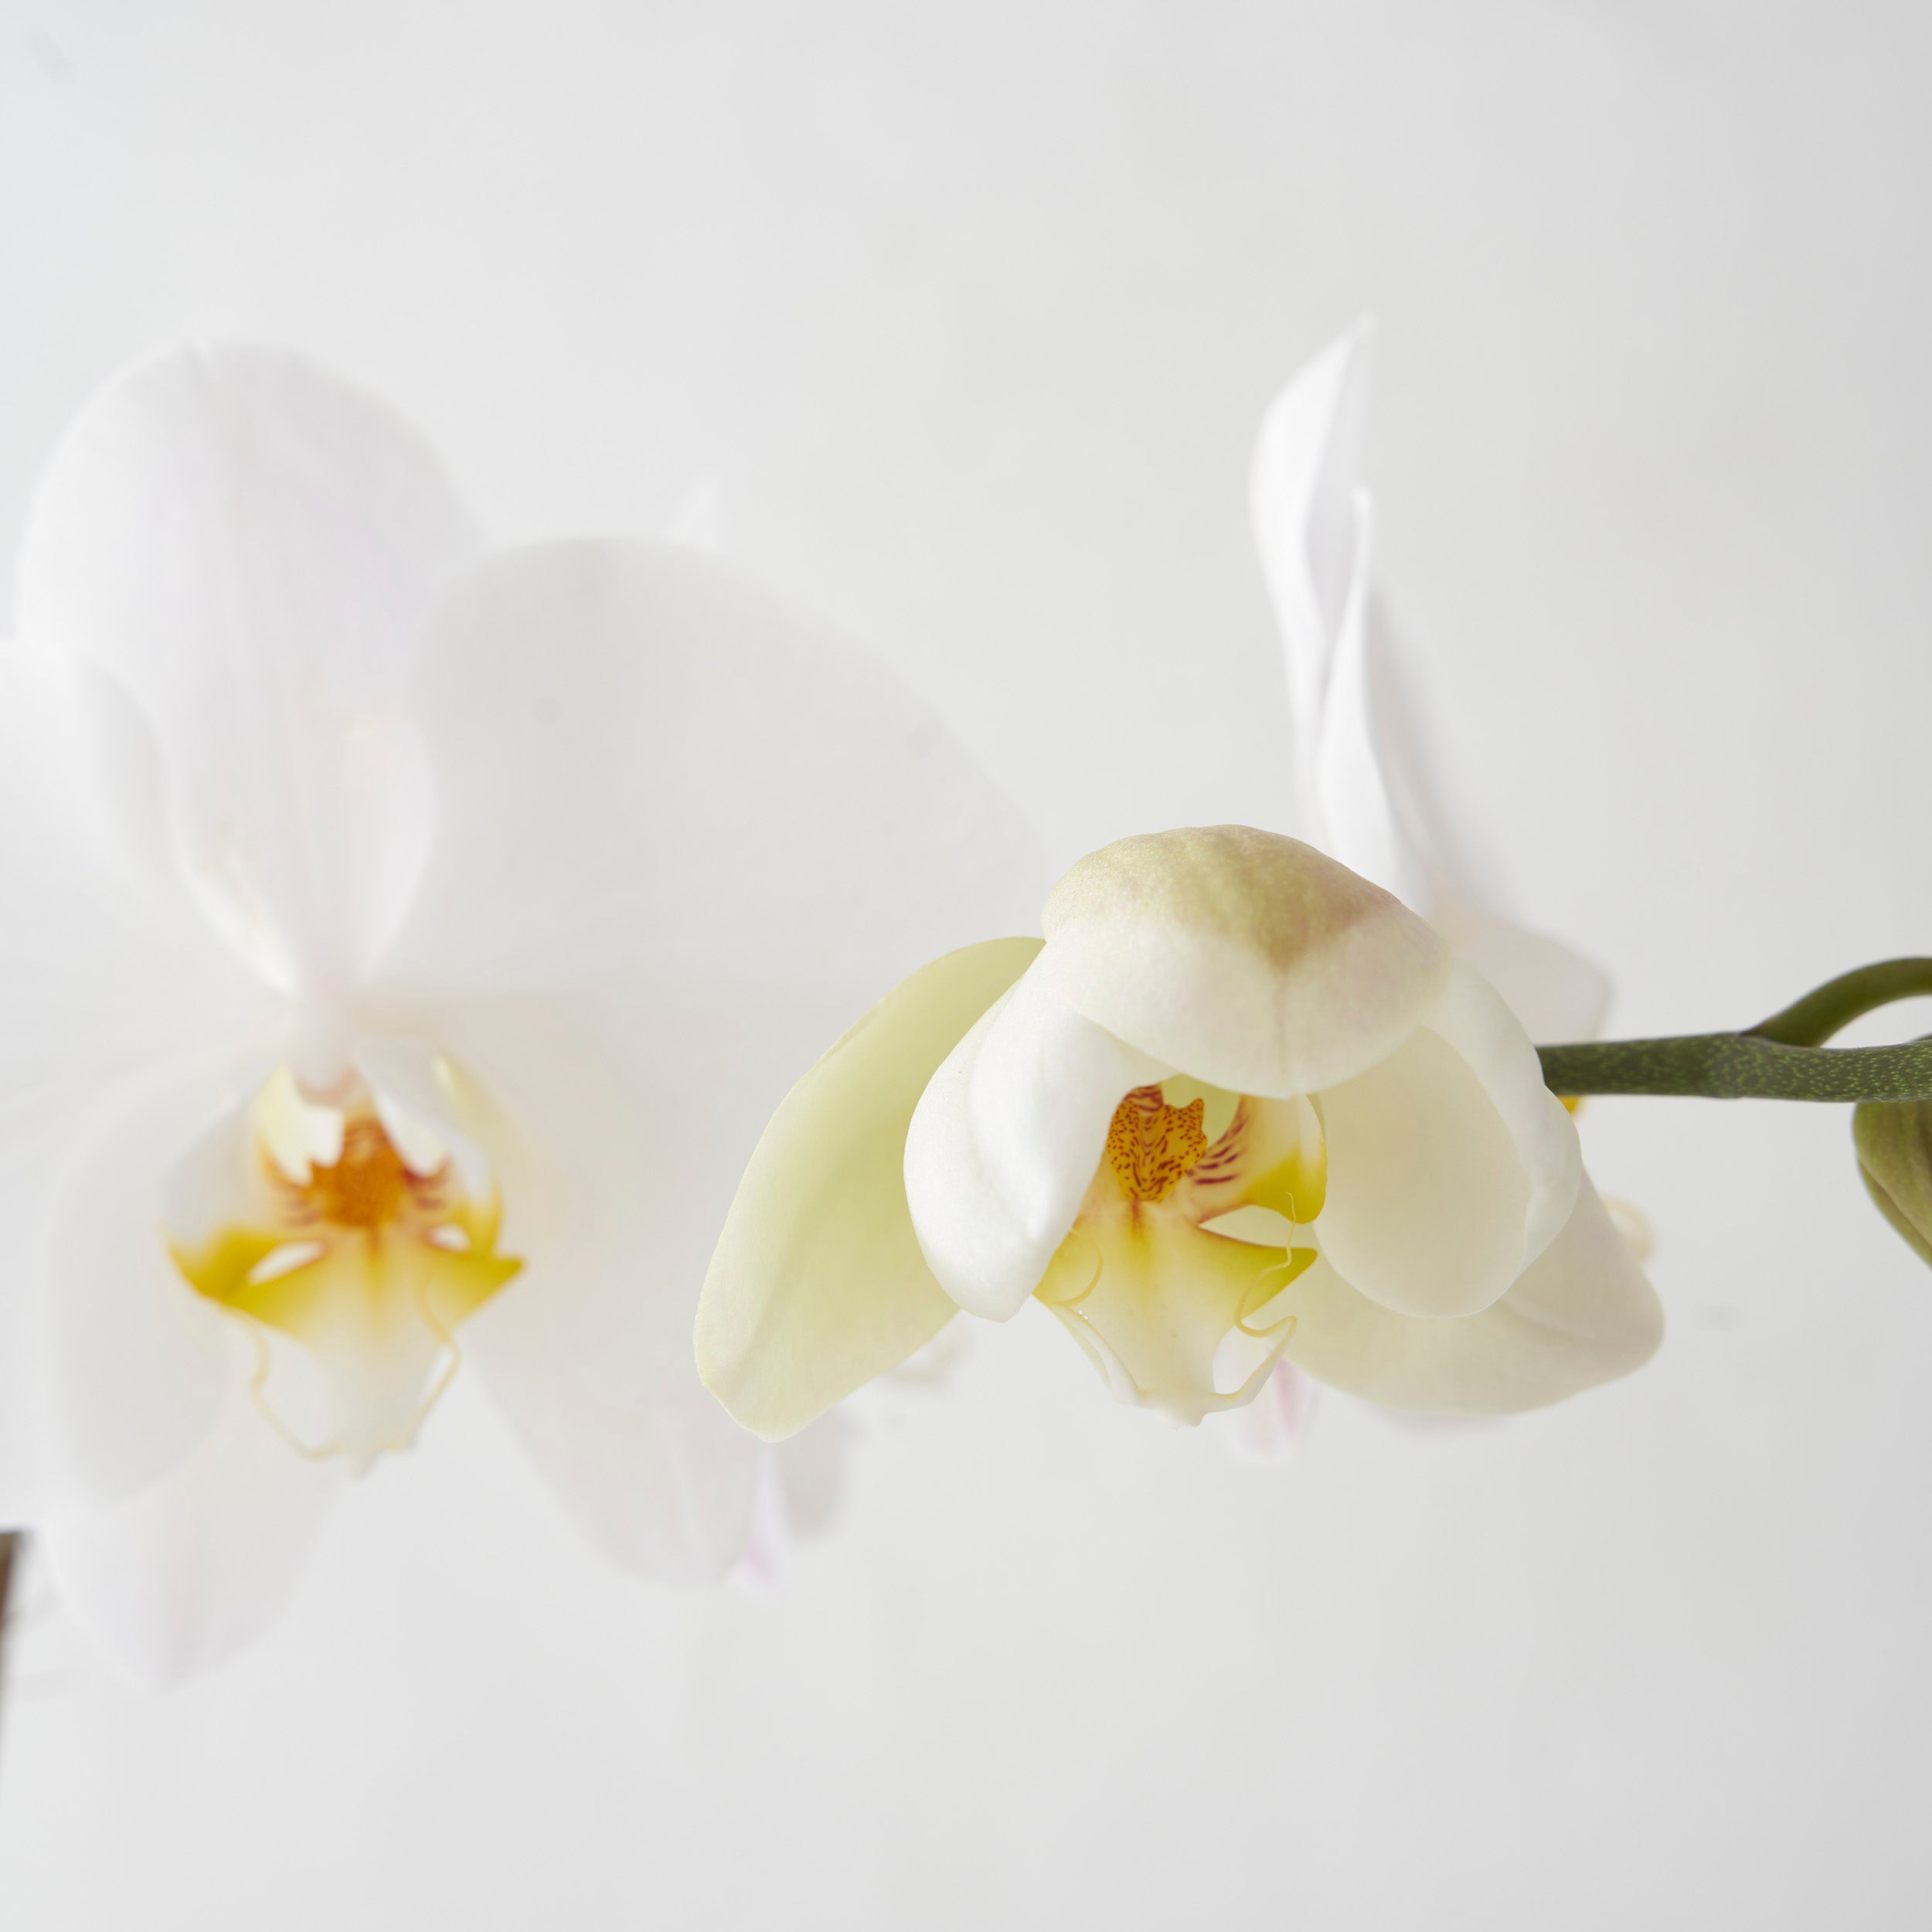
[[1274, 1426], [647, 771], [252, 550], [176, 1577], [764, 1564], [801, 1483], [1004, 1141]]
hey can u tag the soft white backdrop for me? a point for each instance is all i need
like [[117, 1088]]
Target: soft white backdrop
[[971, 310]]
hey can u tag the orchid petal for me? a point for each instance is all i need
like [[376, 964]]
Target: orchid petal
[[1451, 1166], [104, 972], [1005, 1139], [135, 1365], [645, 768], [1308, 469], [180, 1574], [1362, 821], [1274, 1425], [1246, 960], [817, 1283], [1477, 1021], [278, 539], [612, 1134], [1555, 994], [1582, 1314]]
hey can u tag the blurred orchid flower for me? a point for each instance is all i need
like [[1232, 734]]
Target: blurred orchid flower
[[1363, 791], [402, 942], [1241, 1106]]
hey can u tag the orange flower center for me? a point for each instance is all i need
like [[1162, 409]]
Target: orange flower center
[[1152, 1147]]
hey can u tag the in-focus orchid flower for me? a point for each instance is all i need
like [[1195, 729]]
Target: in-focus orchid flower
[[400, 943], [1242, 1105], [1363, 791]]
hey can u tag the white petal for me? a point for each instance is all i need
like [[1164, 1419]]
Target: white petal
[[1557, 994], [1451, 1166], [1361, 822], [1308, 467], [252, 550], [104, 966], [135, 1364], [1005, 1139], [104, 969], [1249, 960], [1582, 1314], [181, 1573], [643, 766], [615, 1135]]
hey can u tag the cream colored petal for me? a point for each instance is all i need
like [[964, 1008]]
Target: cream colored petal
[[1476, 1021], [1005, 1140], [1246, 959], [1451, 1167], [1582, 1314], [817, 1283]]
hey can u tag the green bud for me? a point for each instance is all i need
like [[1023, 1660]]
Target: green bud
[[1894, 1143]]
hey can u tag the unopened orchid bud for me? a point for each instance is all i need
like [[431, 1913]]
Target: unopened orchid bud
[[1894, 1143]]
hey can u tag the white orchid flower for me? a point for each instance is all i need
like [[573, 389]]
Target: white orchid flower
[[1241, 1106], [401, 942], [1363, 792]]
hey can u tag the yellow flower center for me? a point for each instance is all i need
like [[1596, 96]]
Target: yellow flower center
[[1173, 1278], [365, 1256]]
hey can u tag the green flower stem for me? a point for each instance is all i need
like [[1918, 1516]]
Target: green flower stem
[[1812, 1021], [1780, 1059]]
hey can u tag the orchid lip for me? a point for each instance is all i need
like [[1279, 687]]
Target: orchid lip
[[348, 1241], [1176, 1316]]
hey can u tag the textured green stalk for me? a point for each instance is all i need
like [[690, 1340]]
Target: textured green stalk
[[1778, 1059], [1812, 1021]]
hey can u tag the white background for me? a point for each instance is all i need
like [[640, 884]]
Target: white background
[[971, 310]]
